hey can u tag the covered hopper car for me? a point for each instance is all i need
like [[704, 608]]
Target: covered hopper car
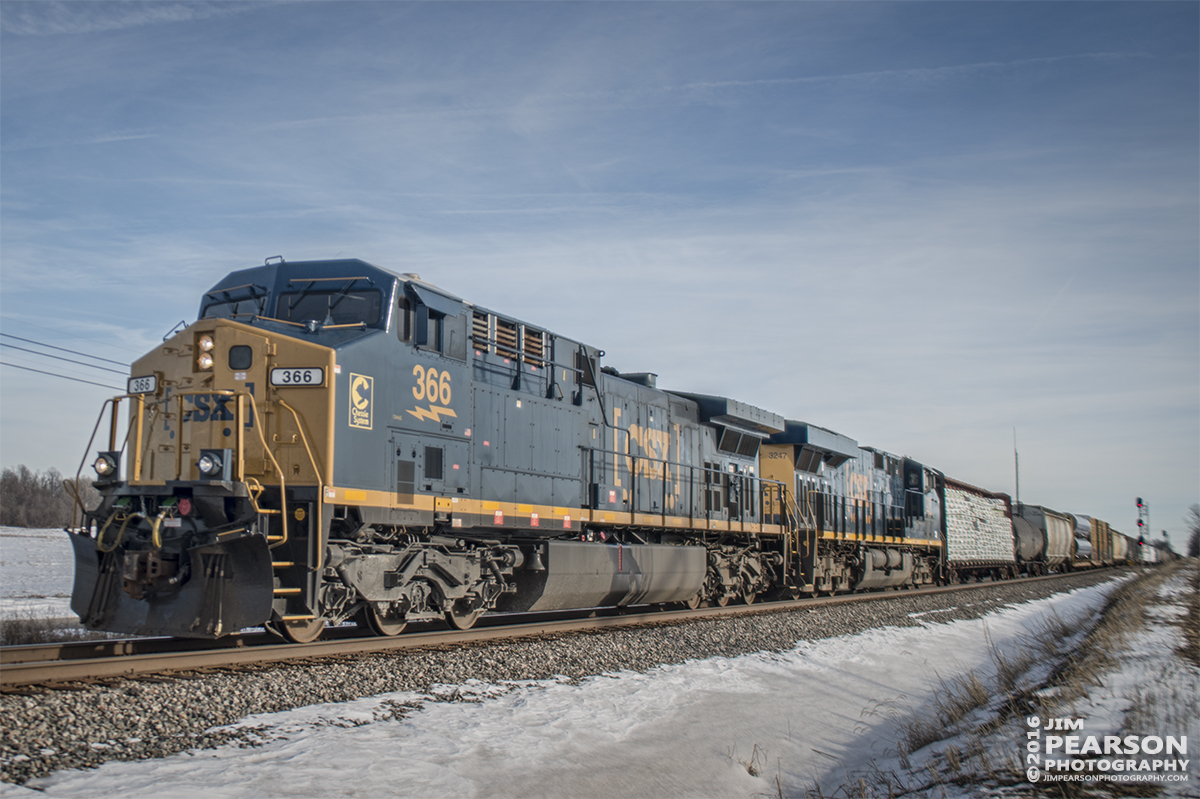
[[1044, 539]]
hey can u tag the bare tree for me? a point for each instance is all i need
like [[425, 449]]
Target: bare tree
[[36, 499], [1192, 520]]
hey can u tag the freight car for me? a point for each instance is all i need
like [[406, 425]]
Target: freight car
[[1096, 543], [331, 441], [1120, 548], [1147, 554], [979, 533], [1044, 539]]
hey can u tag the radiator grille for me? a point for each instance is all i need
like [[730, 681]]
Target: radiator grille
[[479, 331], [535, 346], [506, 338]]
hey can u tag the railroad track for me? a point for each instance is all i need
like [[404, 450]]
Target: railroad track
[[119, 658]]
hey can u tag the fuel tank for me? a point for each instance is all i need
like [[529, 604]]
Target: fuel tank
[[574, 574]]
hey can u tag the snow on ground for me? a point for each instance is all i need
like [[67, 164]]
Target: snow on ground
[[696, 729], [1152, 691], [1146, 689], [37, 568]]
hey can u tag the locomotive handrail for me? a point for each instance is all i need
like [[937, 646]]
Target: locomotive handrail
[[283, 516], [239, 424], [320, 483], [179, 395], [72, 489], [227, 292], [112, 444], [595, 384], [304, 440], [311, 280], [520, 356], [79, 472], [763, 484]]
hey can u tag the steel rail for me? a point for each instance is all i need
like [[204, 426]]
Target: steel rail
[[133, 657], [148, 645]]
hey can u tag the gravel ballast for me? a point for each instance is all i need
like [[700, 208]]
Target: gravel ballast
[[156, 717]]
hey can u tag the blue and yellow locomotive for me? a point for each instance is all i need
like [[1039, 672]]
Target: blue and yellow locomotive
[[332, 441]]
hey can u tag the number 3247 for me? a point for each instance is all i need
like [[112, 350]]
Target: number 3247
[[432, 385]]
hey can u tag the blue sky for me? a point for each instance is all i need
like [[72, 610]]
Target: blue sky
[[920, 224]]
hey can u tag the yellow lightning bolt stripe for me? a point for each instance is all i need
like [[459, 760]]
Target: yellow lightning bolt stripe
[[433, 413]]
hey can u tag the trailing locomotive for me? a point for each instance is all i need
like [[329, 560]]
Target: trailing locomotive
[[333, 441]]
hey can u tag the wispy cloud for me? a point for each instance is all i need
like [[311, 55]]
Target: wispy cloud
[[115, 137], [912, 75], [53, 18], [526, 108]]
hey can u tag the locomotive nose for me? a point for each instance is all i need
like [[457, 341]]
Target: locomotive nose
[[205, 591]]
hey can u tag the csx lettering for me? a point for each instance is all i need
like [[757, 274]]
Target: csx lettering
[[203, 411], [858, 486], [432, 385], [654, 444]]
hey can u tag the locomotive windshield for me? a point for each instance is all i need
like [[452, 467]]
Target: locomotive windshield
[[330, 307], [231, 303], [324, 300], [232, 310]]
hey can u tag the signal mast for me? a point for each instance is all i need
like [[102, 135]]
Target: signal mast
[[1143, 522]]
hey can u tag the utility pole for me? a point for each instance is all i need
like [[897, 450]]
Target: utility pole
[[1017, 471]]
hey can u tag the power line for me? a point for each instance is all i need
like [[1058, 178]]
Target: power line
[[52, 374], [64, 349], [62, 332], [60, 358], [20, 359]]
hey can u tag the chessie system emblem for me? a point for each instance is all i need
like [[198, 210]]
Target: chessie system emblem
[[361, 389]]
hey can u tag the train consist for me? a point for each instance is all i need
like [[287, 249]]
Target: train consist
[[332, 441]]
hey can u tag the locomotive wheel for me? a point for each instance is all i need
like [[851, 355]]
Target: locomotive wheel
[[368, 617], [302, 631], [722, 600], [460, 617], [748, 597], [694, 602]]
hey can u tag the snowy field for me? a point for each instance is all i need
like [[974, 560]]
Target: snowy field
[[722, 727], [37, 568]]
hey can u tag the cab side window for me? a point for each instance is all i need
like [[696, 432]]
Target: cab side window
[[437, 332], [454, 336], [403, 319]]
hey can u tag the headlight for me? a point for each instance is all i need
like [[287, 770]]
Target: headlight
[[206, 343], [209, 464], [205, 361], [105, 465]]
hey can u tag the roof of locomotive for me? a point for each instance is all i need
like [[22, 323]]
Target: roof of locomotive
[[275, 276]]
